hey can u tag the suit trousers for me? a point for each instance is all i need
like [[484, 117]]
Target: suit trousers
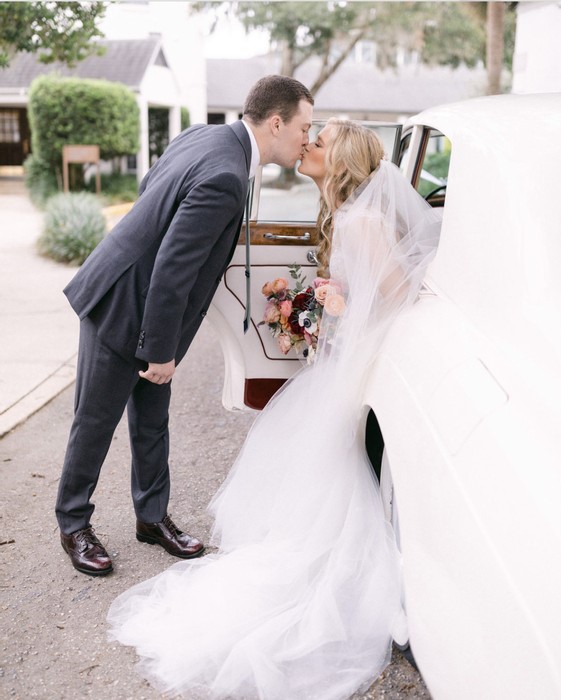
[[106, 383]]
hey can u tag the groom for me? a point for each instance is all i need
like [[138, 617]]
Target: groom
[[141, 296]]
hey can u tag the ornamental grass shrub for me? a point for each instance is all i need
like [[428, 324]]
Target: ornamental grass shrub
[[74, 224]]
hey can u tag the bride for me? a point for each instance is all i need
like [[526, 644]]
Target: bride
[[304, 594]]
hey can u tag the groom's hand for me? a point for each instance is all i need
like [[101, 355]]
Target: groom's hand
[[159, 374]]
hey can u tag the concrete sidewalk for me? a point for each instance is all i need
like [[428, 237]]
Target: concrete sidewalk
[[39, 330]]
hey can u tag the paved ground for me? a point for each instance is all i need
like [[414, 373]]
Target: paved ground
[[52, 619], [53, 643], [38, 329]]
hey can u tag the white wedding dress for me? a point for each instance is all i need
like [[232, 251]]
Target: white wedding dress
[[304, 594]]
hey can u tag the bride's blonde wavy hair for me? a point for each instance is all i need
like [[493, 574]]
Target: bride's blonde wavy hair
[[352, 153]]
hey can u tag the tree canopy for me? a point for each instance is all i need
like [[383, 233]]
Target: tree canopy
[[59, 31], [444, 33]]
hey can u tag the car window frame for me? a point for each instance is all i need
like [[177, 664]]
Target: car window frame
[[318, 124]]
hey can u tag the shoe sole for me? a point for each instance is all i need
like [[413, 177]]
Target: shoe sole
[[103, 572], [150, 540]]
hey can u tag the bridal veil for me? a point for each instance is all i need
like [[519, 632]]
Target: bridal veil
[[304, 592]]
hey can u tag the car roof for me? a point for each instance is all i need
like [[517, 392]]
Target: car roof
[[501, 232], [503, 114]]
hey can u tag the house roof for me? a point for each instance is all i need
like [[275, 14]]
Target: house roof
[[124, 61], [354, 88]]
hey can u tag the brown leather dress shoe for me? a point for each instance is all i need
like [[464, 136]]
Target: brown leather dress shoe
[[170, 537], [86, 552]]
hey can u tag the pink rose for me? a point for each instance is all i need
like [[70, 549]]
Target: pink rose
[[285, 308], [284, 343], [334, 305], [279, 285], [319, 282], [272, 314]]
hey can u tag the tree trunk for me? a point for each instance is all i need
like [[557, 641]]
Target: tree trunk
[[495, 46], [287, 60], [327, 70]]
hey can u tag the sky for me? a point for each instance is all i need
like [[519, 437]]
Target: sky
[[130, 19], [229, 40]]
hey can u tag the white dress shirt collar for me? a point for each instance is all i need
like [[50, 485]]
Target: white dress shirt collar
[[255, 155]]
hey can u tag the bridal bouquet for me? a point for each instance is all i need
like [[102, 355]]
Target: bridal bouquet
[[293, 315]]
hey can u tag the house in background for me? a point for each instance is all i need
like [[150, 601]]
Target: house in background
[[140, 64], [358, 89], [155, 49], [537, 51]]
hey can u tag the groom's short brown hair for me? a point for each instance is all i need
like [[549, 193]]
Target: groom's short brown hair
[[275, 94]]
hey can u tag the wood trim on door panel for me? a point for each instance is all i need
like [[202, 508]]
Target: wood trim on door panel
[[296, 229]]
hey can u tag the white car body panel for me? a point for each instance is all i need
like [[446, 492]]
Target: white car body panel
[[466, 391], [255, 354]]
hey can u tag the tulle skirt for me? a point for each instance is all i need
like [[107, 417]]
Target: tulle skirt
[[302, 598]]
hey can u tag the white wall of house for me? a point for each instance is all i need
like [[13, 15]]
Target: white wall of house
[[182, 36], [537, 52]]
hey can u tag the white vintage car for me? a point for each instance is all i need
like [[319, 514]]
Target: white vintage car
[[464, 396]]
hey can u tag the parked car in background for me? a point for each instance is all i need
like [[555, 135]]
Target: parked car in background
[[463, 398]]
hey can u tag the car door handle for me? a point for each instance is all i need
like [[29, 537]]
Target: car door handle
[[277, 237]]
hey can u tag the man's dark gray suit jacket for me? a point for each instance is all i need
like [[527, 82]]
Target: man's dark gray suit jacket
[[148, 284]]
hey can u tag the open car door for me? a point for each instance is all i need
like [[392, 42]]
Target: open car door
[[283, 232]]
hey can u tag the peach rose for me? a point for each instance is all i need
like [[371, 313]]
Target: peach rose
[[271, 314], [267, 289], [285, 308], [334, 305], [284, 343], [279, 285], [321, 292]]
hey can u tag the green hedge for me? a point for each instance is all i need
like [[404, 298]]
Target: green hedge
[[40, 179], [74, 111]]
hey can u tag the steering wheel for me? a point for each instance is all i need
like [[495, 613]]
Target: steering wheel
[[433, 192]]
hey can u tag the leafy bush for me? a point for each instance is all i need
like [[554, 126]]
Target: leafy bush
[[74, 225], [40, 179], [116, 188], [158, 128], [74, 111]]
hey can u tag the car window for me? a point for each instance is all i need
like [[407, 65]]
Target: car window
[[436, 163], [429, 171], [285, 195]]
